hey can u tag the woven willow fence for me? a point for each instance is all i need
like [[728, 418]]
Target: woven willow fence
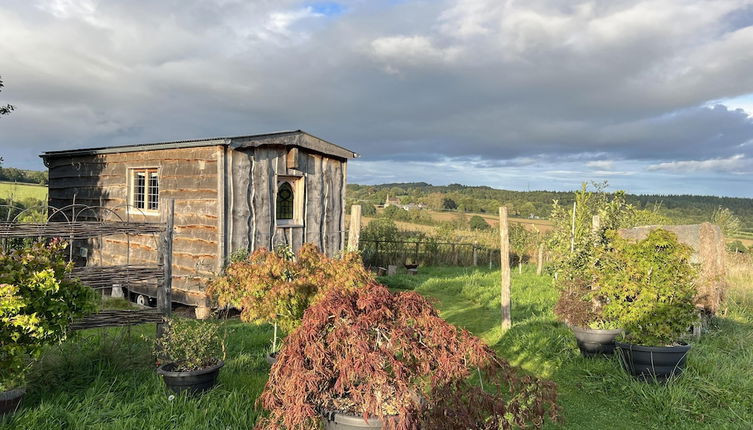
[[81, 222]]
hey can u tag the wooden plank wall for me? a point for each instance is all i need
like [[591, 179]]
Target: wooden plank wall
[[189, 176], [252, 187]]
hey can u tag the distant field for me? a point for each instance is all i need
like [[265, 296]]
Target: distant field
[[19, 191]]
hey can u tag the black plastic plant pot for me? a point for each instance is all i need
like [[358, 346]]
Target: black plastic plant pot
[[595, 342], [338, 421], [271, 358], [192, 382], [653, 363], [10, 401]]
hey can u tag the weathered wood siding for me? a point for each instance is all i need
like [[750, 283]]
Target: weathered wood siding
[[224, 201], [251, 195], [189, 176]]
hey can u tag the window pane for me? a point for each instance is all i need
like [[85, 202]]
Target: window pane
[[138, 190], [285, 201], [153, 191]]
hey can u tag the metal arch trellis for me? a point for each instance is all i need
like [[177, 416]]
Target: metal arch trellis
[[79, 222]]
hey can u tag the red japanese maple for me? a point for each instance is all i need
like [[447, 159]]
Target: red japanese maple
[[369, 352]]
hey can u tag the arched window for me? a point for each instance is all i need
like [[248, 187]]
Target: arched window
[[285, 201]]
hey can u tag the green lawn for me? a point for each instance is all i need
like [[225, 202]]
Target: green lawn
[[20, 191], [104, 379], [716, 391]]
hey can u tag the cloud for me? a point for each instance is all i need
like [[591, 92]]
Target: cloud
[[736, 164], [511, 85]]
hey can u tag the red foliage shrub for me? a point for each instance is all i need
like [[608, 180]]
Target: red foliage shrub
[[369, 352]]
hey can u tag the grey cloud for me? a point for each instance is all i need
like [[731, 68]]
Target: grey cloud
[[503, 83]]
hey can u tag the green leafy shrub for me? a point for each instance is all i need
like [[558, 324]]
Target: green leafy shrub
[[648, 286], [37, 303], [191, 344], [573, 251], [277, 286], [478, 223]]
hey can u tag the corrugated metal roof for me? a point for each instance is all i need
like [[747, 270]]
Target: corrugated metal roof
[[275, 138]]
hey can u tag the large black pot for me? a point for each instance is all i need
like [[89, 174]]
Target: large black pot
[[10, 401], [593, 342], [193, 382], [338, 421], [653, 362]]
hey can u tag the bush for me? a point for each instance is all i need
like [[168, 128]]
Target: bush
[[573, 255], [478, 223], [190, 344], [369, 352], [737, 247], [648, 287], [37, 303], [276, 287]]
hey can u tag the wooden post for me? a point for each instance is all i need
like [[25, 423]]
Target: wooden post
[[165, 294], [504, 268], [475, 253], [415, 260], [354, 234], [572, 231], [595, 225], [540, 260], [454, 255]]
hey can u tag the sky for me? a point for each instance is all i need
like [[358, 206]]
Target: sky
[[653, 96]]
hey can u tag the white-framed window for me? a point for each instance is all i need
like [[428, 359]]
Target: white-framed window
[[289, 201], [144, 184]]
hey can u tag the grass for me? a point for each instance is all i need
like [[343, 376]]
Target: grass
[[20, 191], [104, 378], [716, 391]]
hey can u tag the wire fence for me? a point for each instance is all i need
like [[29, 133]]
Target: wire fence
[[381, 253]]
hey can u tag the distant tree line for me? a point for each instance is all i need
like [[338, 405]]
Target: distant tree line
[[680, 209], [11, 174]]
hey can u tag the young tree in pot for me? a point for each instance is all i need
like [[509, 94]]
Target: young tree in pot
[[38, 301], [275, 287], [574, 243], [193, 353], [650, 289], [367, 358]]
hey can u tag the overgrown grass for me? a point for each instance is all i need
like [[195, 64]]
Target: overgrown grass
[[104, 379], [21, 191], [716, 391]]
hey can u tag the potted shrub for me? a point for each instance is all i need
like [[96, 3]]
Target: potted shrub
[[574, 242], [580, 307], [37, 303], [367, 358], [276, 287], [193, 353], [650, 286]]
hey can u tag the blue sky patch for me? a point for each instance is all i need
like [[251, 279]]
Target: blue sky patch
[[327, 8]]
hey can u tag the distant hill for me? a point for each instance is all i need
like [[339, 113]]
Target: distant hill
[[484, 199]]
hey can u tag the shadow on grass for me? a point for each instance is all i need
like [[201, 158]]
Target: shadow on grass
[[715, 391], [105, 378]]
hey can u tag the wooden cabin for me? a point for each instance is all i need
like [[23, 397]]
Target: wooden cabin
[[230, 194]]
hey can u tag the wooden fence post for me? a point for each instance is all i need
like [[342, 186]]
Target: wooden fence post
[[504, 268], [165, 293], [354, 234], [540, 260], [475, 253], [572, 231], [595, 225], [455, 255]]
